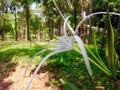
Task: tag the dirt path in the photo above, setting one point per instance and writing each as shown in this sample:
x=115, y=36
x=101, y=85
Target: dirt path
x=12, y=78
x=15, y=81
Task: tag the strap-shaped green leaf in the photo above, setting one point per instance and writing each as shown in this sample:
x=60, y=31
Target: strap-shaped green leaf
x=110, y=41
x=110, y=50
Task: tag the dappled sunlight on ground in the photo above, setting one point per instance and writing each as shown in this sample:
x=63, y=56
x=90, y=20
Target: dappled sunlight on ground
x=15, y=80
x=12, y=66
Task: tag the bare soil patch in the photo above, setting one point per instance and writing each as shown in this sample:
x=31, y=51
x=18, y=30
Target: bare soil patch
x=15, y=80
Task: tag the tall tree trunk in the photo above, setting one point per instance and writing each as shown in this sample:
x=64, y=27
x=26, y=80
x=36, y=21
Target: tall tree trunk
x=50, y=29
x=38, y=33
x=75, y=14
x=3, y=29
x=27, y=20
x=42, y=27
x=16, y=33
x=50, y=23
x=83, y=24
x=21, y=36
x=90, y=22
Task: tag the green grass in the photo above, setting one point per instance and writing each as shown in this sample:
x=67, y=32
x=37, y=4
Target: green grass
x=18, y=51
x=67, y=65
x=14, y=53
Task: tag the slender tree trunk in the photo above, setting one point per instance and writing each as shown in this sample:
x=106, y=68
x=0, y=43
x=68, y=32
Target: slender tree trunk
x=27, y=20
x=90, y=23
x=16, y=33
x=21, y=29
x=42, y=27
x=75, y=14
x=38, y=33
x=3, y=29
x=50, y=29
x=50, y=24
x=83, y=24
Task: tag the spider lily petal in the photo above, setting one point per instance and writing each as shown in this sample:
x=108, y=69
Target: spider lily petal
x=90, y=15
x=64, y=26
x=30, y=62
x=83, y=51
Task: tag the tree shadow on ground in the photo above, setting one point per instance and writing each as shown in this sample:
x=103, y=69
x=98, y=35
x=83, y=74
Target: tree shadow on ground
x=9, y=61
x=6, y=69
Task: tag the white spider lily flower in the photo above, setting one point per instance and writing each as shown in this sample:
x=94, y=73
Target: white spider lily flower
x=65, y=43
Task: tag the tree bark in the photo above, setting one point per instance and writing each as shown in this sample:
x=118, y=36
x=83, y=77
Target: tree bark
x=16, y=33
x=90, y=23
x=50, y=24
x=75, y=14
x=50, y=29
x=42, y=27
x=27, y=20
x=21, y=34
x=82, y=32
x=3, y=29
